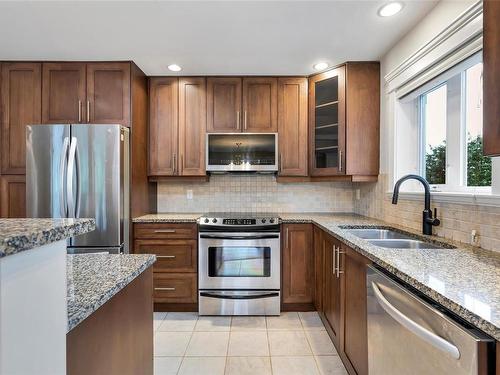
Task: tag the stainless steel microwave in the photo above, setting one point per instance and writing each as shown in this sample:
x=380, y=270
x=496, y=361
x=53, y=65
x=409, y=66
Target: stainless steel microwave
x=242, y=152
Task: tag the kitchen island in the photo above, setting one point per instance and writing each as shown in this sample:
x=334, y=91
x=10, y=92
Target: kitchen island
x=33, y=309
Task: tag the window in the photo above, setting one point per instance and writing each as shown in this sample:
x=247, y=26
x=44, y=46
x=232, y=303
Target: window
x=450, y=129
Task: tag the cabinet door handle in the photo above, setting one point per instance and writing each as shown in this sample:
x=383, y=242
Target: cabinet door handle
x=181, y=164
x=167, y=289
x=280, y=163
x=173, y=163
x=339, y=271
x=166, y=256
x=79, y=111
x=334, y=260
x=238, y=120
x=245, y=121
x=340, y=160
x=286, y=238
x=165, y=230
x=88, y=110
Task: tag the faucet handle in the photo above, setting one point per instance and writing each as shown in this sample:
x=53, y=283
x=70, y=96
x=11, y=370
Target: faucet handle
x=436, y=220
x=435, y=213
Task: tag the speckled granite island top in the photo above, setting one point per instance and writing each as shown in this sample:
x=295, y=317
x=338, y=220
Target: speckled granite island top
x=18, y=235
x=93, y=279
x=466, y=280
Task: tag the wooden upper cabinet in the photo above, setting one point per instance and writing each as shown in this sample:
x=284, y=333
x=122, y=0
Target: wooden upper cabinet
x=298, y=264
x=491, y=81
x=63, y=93
x=12, y=196
x=108, y=93
x=163, y=126
x=260, y=110
x=224, y=104
x=21, y=101
x=327, y=123
x=192, y=125
x=292, y=126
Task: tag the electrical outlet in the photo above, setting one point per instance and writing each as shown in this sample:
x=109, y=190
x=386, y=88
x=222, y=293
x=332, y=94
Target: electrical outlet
x=189, y=194
x=474, y=237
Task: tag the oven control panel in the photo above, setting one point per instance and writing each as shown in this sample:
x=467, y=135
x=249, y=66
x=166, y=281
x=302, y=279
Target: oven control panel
x=239, y=221
x=244, y=222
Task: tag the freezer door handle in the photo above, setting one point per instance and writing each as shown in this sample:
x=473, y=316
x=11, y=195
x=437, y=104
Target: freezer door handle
x=78, y=180
x=412, y=326
x=63, y=164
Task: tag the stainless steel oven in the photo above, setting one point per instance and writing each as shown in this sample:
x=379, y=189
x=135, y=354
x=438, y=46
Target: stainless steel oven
x=239, y=265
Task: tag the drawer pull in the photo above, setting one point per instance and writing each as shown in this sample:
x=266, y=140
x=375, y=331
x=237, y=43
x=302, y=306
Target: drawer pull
x=166, y=256
x=168, y=289
x=165, y=231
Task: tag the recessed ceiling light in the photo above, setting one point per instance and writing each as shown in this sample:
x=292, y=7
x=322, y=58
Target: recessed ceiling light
x=320, y=66
x=390, y=9
x=174, y=68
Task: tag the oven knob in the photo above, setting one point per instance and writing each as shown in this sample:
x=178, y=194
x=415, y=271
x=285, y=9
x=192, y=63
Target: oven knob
x=263, y=221
x=206, y=220
x=271, y=221
x=214, y=221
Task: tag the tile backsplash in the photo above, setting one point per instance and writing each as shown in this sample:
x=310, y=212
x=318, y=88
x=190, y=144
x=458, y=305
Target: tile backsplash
x=457, y=220
x=254, y=193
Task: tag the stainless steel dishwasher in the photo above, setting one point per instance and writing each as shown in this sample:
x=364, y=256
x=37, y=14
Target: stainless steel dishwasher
x=408, y=334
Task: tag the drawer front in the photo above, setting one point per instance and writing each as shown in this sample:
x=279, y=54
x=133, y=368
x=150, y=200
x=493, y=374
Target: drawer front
x=169, y=231
x=174, y=288
x=171, y=255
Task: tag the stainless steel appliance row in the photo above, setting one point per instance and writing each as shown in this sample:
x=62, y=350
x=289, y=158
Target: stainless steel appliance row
x=239, y=265
x=81, y=171
x=409, y=334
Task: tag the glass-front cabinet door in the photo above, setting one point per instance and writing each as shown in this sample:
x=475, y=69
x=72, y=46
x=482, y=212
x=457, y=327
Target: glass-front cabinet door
x=327, y=122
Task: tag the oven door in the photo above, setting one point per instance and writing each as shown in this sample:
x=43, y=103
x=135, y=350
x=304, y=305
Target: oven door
x=239, y=260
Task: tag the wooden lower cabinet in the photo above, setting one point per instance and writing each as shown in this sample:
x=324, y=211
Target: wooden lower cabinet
x=175, y=272
x=12, y=196
x=117, y=339
x=355, y=335
x=342, y=280
x=331, y=289
x=297, y=264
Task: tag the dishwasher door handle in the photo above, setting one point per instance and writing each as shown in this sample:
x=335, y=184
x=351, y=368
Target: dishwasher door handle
x=422, y=332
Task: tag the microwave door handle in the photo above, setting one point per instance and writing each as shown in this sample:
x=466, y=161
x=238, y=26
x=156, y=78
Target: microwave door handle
x=412, y=326
x=239, y=296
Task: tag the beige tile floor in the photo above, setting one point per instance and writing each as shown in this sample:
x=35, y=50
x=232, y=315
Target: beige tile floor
x=291, y=344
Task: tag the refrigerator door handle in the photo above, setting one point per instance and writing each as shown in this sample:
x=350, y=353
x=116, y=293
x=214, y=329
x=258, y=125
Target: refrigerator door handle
x=63, y=164
x=78, y=183
x=69, y=178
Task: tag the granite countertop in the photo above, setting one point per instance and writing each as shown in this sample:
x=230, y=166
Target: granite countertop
x=465, y=279
x=168, y=218
x=93, y=279
x=18, y=235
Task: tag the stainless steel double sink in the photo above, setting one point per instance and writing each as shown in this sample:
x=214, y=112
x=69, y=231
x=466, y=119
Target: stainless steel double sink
x=393, y=239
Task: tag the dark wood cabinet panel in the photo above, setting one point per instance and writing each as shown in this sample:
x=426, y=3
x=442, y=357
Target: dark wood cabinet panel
x=491, y=74
x=298, y=267
x=260, y=110
x=362, y=132
x=20, y=105
x=63, y=93
x=224, y=104
x=163, y=126
x=192, y=126
x=318, y=268
x=12, y=196
x=171, y=255
x=332, y=288
x=355, y=333
x=292, y=126
x=175, y=287
x=108, y=93
x=117, y=339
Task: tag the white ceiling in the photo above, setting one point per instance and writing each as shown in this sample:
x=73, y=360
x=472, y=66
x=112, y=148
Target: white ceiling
x=205, y=37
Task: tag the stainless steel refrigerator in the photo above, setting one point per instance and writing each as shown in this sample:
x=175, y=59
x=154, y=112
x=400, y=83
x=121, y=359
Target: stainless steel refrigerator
x=77, y=171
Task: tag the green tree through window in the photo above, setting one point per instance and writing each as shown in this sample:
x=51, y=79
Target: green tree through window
x=478, y=166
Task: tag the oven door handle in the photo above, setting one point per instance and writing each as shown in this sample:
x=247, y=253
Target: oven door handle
x=239, y=296
x=250, y=237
